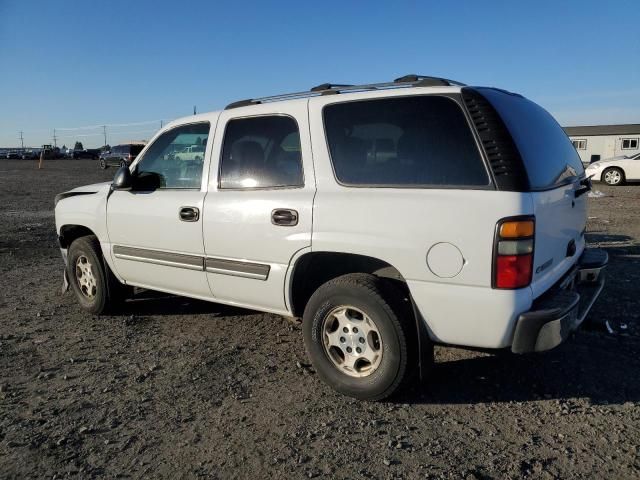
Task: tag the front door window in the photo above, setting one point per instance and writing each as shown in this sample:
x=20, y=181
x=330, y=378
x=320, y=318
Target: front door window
x=175, y=159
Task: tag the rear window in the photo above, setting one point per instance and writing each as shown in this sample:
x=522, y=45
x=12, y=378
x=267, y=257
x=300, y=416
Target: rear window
x=403, y=142
x=548, y=154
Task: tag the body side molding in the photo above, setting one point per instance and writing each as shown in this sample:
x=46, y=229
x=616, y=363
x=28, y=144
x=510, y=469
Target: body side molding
x=223, y=266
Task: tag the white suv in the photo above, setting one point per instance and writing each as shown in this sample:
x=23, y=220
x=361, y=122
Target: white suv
x=388, y=216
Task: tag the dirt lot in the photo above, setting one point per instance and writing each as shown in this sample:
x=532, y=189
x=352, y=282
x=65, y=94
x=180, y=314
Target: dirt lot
x=176, y=388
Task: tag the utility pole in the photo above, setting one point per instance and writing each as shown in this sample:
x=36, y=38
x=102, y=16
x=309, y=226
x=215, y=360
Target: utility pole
x=104, y=131
x=21, y=140
x=55, y=139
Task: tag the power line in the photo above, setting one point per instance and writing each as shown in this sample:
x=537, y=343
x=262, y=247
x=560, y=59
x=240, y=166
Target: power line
x=104, y=130
x=93, y=127
x=101, y=134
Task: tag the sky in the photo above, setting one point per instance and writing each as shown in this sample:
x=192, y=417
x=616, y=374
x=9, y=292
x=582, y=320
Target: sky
x=130, y=64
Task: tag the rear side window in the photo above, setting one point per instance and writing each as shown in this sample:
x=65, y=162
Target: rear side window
x=135, y=149
x=549, y=157
x=261, y=152
x=403, y=142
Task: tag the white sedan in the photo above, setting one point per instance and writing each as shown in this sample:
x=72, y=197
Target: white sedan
x=615, y=171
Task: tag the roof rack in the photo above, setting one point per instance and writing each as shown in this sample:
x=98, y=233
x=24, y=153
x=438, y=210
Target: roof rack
x=411, y=80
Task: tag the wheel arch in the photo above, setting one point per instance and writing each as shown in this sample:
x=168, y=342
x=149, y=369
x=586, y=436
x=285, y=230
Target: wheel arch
x=71, y=232
x=313, y=269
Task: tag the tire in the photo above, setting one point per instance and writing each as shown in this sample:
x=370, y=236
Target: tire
x=367, y=300
x=94, y=285
x=103, y=164
x=613, y=176
x=123, y=164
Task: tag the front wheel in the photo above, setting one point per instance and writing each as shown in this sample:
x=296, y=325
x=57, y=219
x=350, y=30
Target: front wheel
x=613, y=176
x=356, y=332
x=95, y=287
x=123, y=164
x=103, y=164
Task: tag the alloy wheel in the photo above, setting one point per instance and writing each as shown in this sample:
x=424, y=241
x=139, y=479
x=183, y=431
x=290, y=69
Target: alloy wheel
x=85, y=277
x=612, y=177
x=352, y=341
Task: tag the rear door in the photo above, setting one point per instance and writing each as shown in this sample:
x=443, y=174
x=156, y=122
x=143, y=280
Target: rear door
x=114, y=155
x=259, y=206
x=554, y=171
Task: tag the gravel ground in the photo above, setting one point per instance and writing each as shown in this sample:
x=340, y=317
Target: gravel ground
x=175, y=388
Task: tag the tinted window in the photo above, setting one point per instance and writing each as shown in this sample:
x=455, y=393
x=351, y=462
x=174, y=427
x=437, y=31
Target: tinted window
x=261, y=152
x=161, y=167
x=405, y=141
x=135, y=149
x=548, y=155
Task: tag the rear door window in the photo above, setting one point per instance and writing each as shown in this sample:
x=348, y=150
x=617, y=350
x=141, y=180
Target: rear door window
x=549, y=157
x=418, y=141
x=261, y=152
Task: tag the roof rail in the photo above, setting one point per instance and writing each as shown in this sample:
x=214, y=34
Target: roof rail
x=328, y=86
x=426, y=81
x=411, y=80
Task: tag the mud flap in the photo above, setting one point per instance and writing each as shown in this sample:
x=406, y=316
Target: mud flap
x=425, y=345
x=65, y=283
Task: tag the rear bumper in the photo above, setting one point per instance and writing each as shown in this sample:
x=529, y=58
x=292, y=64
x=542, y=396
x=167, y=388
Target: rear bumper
x=562, y=309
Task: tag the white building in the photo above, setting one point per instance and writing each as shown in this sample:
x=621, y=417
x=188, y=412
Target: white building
x=597, y=142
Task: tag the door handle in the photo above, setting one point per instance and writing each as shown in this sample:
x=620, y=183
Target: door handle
x=189, y=214
x=284, y=217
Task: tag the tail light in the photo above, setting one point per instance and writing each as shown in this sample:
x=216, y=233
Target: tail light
x=513, y=252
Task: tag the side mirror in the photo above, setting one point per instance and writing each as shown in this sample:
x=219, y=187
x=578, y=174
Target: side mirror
x=123, y=180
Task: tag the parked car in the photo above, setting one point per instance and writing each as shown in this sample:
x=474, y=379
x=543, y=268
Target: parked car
x=90, y=153
x=120, y=155
x=30, y=154
x=13, y=154
x=467, y=228
x=616, y=170
x=192, y=152
x=50, y=152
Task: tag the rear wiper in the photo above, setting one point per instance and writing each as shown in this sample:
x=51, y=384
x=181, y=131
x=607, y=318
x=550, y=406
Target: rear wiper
x=586, y=187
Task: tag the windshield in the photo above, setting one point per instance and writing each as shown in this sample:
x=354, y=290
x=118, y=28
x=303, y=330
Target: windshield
x=548, y=155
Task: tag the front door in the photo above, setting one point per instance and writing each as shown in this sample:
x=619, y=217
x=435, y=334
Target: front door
x=259, y=207
x=155, y=230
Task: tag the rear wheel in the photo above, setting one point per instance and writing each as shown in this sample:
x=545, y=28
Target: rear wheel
x=103, y=164
x=96, y=288
x=123, y=164
x=613, y=176
x=356, y=331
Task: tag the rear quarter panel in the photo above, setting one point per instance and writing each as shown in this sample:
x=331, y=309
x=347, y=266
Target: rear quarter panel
x=399, y=226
